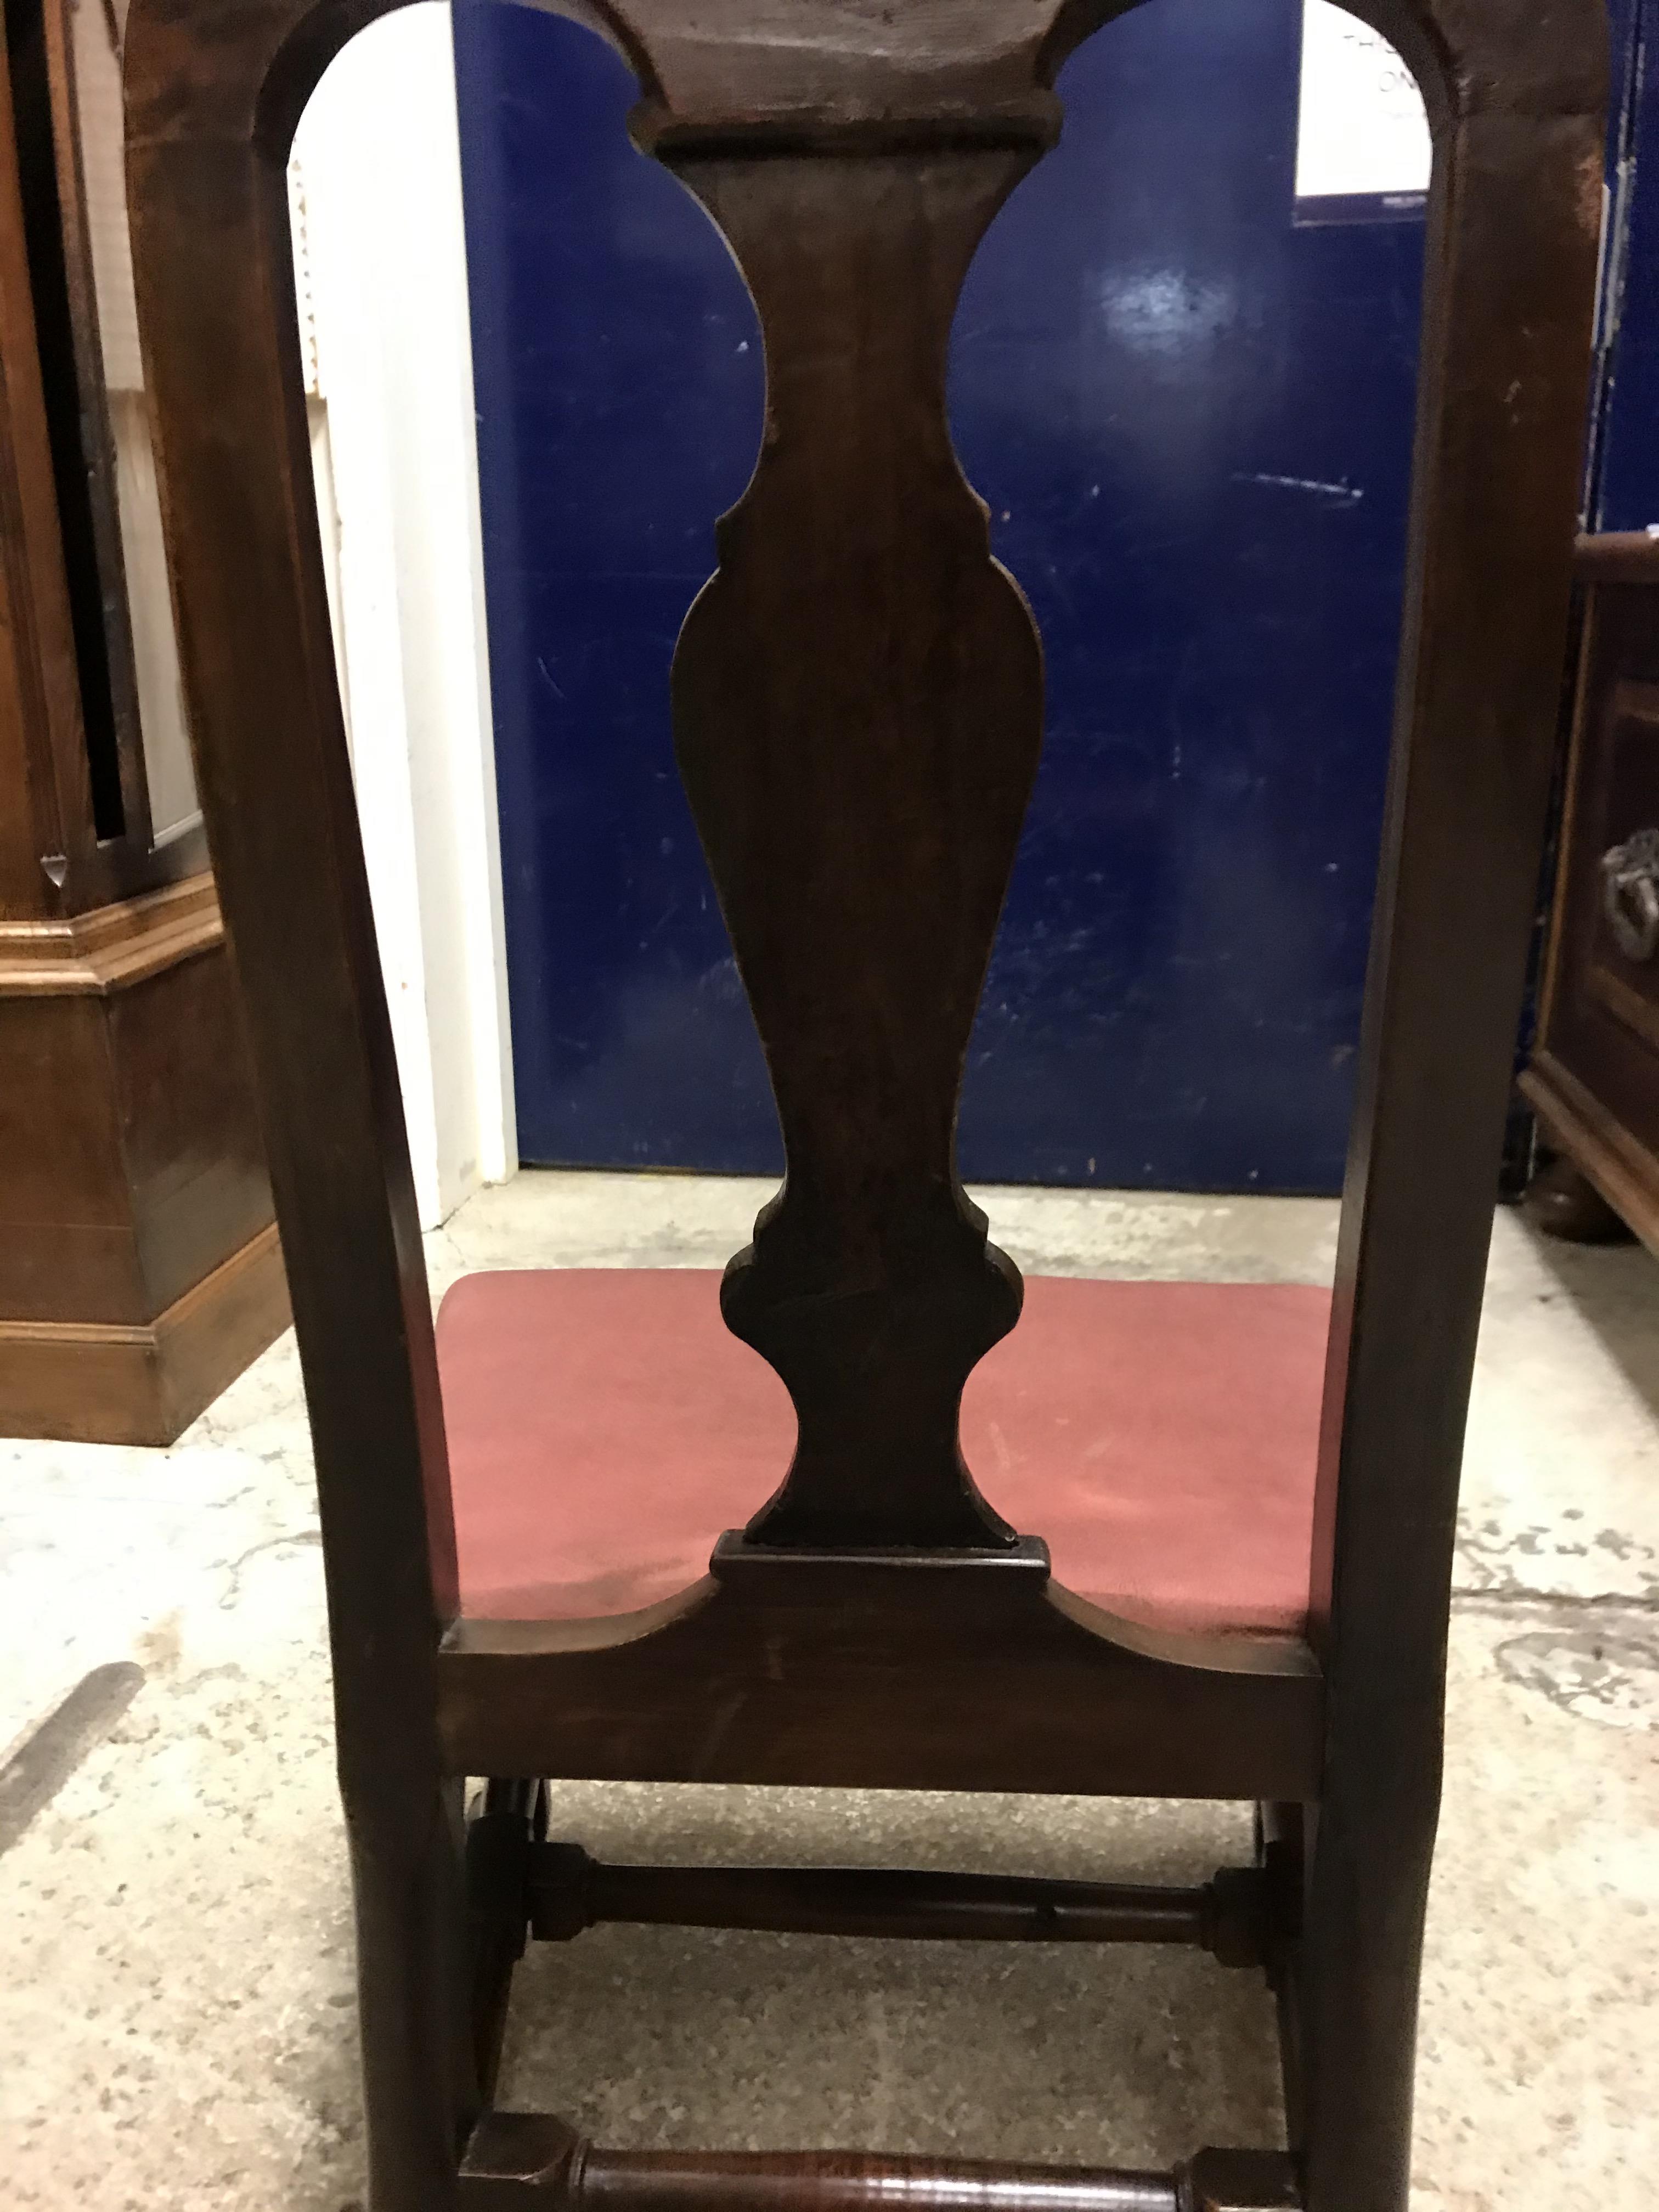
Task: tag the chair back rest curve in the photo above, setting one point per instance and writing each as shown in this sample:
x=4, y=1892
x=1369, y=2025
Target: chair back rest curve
x=857, y=697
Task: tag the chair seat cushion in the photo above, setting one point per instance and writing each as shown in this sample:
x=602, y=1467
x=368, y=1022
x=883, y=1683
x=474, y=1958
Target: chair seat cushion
x=604, y=1427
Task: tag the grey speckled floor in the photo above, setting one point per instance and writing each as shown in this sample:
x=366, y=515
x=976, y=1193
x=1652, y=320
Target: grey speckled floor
x=175, y=2016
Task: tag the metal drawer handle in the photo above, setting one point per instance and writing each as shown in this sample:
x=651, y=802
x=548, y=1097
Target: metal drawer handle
x=1629, y=894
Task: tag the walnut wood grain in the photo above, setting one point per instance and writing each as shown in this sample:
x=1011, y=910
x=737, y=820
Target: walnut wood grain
x=1509, y=300
x=856, y=704
x=111, y=948
x=1594, y=1076
x=1622, y=1170
x=1618, y=556
x=517, y=2162
x=908, y=1670
x=143, y=1383
x=44, y=795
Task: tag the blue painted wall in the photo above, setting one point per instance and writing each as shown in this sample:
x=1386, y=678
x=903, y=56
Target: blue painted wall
x=1191, y=418
x=620, y=389
x=1625, y=493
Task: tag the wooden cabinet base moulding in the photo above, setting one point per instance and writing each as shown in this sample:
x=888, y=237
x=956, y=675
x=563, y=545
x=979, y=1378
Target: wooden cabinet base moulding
x=139, y=1267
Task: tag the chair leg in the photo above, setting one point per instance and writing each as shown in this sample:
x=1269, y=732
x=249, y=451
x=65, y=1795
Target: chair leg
x=500, y=1837
x=419, y=2095
x=1356, y=2008
x=1281, y=1850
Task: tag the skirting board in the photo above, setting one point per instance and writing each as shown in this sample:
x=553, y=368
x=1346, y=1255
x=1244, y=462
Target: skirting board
x=95, y=1382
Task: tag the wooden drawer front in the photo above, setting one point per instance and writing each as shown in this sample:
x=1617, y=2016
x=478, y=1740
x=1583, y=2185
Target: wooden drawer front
x=1601, y=1015
x=1621, y=971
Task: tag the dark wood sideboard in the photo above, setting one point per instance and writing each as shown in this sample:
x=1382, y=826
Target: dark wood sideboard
x=139, y=1266
x=1594, y=1076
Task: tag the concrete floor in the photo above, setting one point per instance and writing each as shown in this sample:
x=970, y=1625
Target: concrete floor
x=176, y=2028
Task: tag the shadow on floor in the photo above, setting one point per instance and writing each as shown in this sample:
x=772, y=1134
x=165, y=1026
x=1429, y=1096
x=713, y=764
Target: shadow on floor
x=1615, y=1289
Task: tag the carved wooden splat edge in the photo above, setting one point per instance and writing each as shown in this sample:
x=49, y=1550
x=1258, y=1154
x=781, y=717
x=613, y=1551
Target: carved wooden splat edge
x=857, y=712
x=858, y=701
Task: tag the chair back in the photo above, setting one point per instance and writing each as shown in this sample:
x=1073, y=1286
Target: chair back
x=858, y=706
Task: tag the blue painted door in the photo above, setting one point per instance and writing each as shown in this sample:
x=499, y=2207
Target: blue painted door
x=1623, y=488
x=1191, y=417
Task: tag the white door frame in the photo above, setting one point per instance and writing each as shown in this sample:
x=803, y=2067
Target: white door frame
x=382, y=271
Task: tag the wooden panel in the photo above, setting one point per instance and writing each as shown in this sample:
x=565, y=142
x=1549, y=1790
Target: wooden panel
x=143, y=1384
x=1628, y=556
x=1595, y=1076
x=54, y=1270
x=131, y=1165
x=1594, y=1021
x=68, y=1249
x=190, y=1136
x=45, y=804
x=923, y=1670
x=1576, y=1123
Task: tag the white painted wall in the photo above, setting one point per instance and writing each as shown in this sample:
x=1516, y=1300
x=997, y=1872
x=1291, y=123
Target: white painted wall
x=381, y=262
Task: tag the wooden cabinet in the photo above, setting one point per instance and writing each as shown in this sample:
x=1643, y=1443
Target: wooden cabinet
x=1594, y=1078
x=139, y=1267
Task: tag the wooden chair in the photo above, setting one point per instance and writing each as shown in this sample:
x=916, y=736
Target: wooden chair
x=857, y=697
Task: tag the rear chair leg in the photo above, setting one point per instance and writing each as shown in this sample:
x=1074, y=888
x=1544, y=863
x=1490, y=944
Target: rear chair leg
x=420, y=2097
x=499, y=1837
x=1356, y=2000
x=1281, y=1852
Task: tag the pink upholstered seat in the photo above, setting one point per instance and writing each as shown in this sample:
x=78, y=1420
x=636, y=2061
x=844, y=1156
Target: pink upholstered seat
x=604, y=1427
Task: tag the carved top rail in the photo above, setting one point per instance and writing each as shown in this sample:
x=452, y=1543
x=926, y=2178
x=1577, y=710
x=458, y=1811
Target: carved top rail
x=753, y=69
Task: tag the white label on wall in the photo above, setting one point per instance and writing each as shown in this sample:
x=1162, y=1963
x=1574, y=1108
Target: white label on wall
x=1361, y=128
